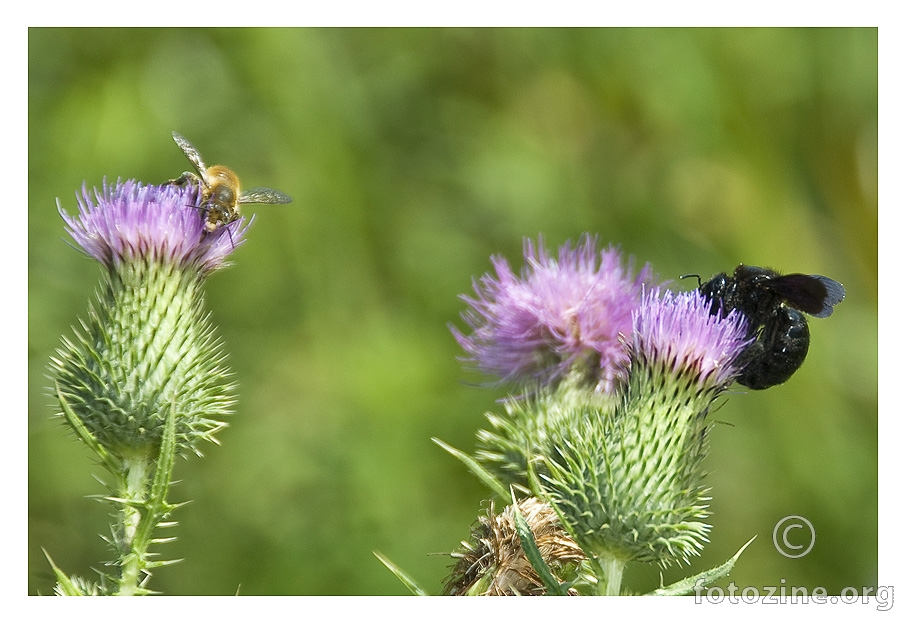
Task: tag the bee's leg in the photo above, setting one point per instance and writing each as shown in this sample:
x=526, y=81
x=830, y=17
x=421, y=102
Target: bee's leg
x=230, y=234
x=218, y=230
x=185, y=178
x=777, y=353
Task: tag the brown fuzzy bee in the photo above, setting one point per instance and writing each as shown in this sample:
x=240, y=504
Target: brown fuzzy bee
x=219, y=188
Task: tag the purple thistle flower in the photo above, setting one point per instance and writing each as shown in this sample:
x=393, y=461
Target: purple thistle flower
x=128, y=221
x=678, y=331
x=557, y=314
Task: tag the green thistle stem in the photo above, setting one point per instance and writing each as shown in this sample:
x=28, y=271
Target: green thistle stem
x=144, y=489
x=133, y=551
x=610, y=574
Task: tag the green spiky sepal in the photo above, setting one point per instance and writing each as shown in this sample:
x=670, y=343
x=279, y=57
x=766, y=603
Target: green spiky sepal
x=532, y=426
x=628, y=480
x=146, y=349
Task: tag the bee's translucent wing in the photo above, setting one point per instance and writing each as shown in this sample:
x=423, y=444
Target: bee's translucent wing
x=190, y=152
x=262, y=195
x=834, y=294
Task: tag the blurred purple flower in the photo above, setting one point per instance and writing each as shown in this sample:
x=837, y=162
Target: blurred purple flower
x=128, y=221
x=556, y=315
x=677, y=332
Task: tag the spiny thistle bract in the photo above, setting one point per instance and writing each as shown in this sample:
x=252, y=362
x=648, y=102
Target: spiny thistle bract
x=532, y=425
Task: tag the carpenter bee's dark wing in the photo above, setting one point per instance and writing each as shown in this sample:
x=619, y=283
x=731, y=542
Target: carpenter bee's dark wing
x=814, y=294
x=834, y=294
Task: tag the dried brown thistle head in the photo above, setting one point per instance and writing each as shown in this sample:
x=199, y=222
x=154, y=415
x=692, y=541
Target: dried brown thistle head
x=492, y=563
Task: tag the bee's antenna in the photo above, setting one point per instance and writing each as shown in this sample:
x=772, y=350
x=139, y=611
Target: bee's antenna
x=698, y=278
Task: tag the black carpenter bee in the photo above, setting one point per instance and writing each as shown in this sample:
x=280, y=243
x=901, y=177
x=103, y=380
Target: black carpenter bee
x=772, y=305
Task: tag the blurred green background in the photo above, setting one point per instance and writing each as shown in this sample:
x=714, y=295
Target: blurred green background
x=412, y=156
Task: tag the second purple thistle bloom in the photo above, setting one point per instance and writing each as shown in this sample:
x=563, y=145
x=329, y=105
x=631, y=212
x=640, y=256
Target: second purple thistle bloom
x=679, y=331
x=572, y=312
